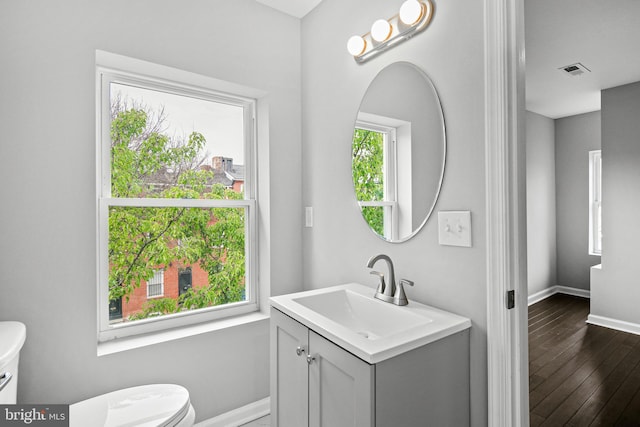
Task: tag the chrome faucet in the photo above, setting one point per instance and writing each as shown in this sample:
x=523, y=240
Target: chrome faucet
x=389, y=292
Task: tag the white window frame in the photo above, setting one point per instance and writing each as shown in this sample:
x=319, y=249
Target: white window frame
x=595, y=202
x=112, y=68
x=157, y=279
x=392, y=129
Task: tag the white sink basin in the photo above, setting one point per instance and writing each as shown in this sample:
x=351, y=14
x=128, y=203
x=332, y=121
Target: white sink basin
x=366, y=316
x=371, y=329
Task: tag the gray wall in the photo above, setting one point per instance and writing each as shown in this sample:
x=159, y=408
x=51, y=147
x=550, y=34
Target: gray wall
x=575, y=136
x=541, y=203
x=47, y=166
x=615, y=295
x=337, y=248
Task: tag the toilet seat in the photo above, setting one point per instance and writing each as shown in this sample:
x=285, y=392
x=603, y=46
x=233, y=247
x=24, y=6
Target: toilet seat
x=154, y=405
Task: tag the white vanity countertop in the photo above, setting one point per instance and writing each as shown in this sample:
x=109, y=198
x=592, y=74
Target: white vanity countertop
x=373, y=330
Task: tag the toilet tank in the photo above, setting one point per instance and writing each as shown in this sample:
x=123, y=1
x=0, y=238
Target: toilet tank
x=12, y=336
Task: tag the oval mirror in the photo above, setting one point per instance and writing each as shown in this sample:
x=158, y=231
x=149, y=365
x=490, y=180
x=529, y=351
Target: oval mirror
x=398, y=151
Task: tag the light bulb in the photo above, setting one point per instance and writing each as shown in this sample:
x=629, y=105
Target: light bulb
x=356, y=45
x=381, y=30
x=411, y=12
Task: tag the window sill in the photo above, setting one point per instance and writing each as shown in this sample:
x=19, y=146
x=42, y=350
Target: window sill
x=130, y=343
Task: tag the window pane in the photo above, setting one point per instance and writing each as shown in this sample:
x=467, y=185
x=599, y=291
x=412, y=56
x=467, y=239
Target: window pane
x=595, y=200
x=173, y=146
x=368, y=164
x=374, y=215
x=208, y=243
x=598, y=167
x=598, y=231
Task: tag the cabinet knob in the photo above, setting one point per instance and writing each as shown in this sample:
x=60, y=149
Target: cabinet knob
x=299, y=350
x=310, y=359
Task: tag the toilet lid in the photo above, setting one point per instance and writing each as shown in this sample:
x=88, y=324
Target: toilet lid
x=145, y=406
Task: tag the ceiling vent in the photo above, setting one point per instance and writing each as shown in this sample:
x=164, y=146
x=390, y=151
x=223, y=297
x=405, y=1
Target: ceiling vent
x=575, y=70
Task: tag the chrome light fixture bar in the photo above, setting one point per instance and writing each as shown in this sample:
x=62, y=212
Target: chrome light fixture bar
x=414, y=16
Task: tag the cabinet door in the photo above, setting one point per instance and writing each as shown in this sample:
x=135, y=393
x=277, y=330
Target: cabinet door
x=340, y=387
x=289, y=371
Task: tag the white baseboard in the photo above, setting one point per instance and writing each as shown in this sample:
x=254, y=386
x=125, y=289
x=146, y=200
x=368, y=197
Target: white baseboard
x=239, y=416
x=619, y=325
x=546, y=293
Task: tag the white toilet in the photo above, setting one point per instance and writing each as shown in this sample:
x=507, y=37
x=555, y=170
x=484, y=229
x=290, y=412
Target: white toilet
x=157, y=405
x=165, y=405
x=12, y=336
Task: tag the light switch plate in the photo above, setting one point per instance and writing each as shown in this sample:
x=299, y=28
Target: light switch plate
x=308, y=216
x=454, y=228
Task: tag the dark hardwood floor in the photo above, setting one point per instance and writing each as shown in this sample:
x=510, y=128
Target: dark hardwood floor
x=580, y=374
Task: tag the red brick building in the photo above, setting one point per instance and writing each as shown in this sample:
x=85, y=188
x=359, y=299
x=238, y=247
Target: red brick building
x=168, y=282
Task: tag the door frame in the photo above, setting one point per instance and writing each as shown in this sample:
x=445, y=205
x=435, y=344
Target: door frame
x=507, y=348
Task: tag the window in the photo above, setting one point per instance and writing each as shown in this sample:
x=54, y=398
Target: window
x=155, y=285
x=373, y=168
x=176, y=199
x=595, y=202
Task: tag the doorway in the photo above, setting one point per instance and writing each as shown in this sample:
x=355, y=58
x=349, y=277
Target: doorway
x=573, y=51
x=185, y=280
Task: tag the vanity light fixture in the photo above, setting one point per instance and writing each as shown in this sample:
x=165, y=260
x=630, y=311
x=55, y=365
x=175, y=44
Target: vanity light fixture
x=414, y=16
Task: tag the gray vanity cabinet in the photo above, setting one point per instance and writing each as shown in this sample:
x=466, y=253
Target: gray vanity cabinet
x=316, y=383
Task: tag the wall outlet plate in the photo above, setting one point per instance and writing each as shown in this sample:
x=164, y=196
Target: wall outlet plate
x=454, y=228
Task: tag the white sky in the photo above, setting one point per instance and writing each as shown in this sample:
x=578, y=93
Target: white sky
x=221, y=124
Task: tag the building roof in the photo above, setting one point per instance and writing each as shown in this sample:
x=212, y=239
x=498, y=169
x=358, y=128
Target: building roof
x=224, y=173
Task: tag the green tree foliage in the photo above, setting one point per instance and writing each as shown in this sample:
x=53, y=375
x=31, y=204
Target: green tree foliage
x=146, y=162
x=368, y=174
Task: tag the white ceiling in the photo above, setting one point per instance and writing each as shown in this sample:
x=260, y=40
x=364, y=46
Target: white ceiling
x=604, y=36
x=297, y=8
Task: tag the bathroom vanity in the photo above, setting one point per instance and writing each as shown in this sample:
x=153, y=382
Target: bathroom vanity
x=339, y=357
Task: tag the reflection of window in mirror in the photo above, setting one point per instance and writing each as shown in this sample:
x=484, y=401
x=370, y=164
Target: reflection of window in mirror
x=595, y=202
x=381, y=174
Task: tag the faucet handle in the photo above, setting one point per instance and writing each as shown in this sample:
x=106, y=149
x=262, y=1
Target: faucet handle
x=400, y=298
x=406, y=282
x=381, y=284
